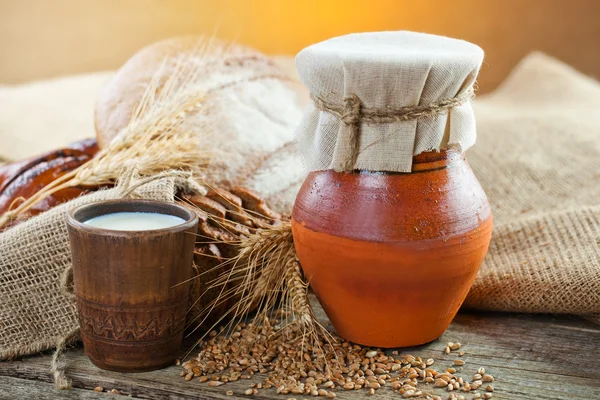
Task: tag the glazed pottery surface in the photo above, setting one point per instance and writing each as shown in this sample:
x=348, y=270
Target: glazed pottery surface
x=391, y=256
x=131, y=295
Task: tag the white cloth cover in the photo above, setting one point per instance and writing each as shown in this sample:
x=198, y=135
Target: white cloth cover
x=386, y=70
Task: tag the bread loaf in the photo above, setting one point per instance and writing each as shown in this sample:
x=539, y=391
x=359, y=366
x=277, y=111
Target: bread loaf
x=249, y=109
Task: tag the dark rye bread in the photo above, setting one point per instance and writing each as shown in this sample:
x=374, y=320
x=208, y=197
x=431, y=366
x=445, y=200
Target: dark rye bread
x=225, y=217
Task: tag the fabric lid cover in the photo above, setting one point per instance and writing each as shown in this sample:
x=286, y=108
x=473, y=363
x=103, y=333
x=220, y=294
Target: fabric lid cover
x=386, y=70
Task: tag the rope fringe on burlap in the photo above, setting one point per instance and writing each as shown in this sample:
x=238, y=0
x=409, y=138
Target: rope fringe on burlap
x=66, y=283
x=353, y=114
x=58, y=366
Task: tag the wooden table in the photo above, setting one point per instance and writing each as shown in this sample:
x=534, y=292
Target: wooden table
x=531, y=357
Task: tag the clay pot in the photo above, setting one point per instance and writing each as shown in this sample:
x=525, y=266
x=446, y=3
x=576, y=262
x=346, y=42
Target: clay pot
x=132, y=287
x=391, y=256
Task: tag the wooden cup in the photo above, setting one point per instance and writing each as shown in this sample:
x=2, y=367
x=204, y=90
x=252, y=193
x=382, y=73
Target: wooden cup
x=132, y=287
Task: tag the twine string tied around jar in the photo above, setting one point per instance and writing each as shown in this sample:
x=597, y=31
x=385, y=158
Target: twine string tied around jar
x=353, y=113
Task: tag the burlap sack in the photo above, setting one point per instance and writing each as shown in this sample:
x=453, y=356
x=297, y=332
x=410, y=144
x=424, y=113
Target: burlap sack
x=37, y=309
x=538, y=158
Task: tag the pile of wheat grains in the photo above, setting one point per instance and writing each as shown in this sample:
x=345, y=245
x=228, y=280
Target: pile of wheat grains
x=292, y=366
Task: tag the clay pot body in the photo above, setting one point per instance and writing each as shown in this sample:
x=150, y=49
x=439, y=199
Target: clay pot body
x=132, y=287
x=391, y=256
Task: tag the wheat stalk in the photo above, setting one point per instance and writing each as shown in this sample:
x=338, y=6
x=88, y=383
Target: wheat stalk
x=265, y=278
x=256, y=272
x=152, y=142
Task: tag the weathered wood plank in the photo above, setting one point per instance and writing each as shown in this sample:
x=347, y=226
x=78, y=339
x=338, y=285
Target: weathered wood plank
x=540, y=357
x=15, y=388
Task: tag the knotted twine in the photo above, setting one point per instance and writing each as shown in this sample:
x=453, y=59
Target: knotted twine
x=353, y=114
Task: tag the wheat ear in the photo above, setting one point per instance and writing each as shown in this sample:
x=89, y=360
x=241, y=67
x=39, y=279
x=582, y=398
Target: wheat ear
x=153, y=141
x=267, y=279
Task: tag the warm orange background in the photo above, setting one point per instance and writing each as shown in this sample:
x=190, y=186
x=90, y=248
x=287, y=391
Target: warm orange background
x=45, y=38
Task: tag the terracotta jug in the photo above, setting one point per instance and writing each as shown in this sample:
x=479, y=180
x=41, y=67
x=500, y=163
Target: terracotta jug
x=391, y=256
x=391, y=225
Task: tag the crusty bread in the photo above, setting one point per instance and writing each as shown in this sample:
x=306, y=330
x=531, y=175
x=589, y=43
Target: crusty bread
x=118, y=99
x=247, y=123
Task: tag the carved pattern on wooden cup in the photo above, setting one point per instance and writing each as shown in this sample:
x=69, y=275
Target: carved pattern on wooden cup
x=129, y=325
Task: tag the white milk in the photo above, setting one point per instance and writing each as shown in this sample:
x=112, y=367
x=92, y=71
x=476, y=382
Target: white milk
x=134, y=221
